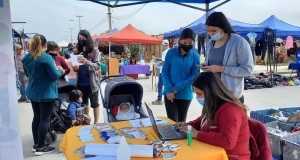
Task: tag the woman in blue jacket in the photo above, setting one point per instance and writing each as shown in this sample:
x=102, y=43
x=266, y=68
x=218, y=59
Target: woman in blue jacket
x=43, y=74
x=180, y=67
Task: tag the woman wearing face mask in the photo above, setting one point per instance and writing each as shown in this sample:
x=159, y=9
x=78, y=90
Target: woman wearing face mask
x=224, y=121
x=87, y=74
x=228, y=55
x=52, y=50
x=179, y=69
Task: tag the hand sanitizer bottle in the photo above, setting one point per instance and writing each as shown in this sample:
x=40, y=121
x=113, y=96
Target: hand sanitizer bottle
x=189, y=135
x=123, y=152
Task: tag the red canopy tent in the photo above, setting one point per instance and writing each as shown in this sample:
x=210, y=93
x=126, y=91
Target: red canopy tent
x=130, y=35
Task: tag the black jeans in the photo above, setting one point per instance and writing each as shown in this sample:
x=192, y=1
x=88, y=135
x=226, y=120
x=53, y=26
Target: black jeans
x=177, y=110
x=41, y=120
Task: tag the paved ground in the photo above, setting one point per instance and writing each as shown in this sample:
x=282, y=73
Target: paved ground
x=255, y=99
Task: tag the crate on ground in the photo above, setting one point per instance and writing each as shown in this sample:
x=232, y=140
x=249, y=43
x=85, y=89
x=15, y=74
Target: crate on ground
x=265, y=115
x=290, y=109
x=276, y=140
x=291, y=147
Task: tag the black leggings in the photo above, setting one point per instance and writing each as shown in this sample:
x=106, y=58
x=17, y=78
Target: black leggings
x=177, y=110
x=41, y=120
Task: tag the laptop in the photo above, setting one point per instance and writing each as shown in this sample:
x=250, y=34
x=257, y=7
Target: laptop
x=165, y=132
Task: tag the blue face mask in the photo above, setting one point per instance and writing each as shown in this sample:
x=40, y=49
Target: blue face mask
x=217, y=36
x=200, y=101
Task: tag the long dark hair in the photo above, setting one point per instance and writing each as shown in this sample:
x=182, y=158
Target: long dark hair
x=218, y=19
x=89, y=42
x=215, y=94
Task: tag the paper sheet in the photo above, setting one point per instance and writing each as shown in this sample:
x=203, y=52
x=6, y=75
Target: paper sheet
x=74, y=60
x=145, y=122
x=111, y=150
x=102, y=158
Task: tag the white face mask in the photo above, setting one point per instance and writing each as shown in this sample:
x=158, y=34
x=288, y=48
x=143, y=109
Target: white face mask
x=217, y=36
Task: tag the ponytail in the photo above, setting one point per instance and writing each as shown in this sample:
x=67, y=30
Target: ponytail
x=37, y=44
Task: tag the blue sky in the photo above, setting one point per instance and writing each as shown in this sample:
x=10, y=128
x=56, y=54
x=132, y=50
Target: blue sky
x=52, y=17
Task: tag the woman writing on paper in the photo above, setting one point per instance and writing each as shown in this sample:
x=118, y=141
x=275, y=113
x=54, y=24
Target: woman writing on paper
x=224, y=122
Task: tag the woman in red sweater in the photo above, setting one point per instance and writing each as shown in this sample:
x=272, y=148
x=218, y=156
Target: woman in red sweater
x=224, y=122
x=53, y=49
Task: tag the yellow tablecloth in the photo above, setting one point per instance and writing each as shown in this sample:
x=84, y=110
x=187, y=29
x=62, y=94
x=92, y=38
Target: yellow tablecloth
x=198, y=150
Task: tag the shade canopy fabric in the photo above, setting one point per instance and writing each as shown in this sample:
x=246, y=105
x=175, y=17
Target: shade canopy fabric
x=199, y=27
x=130, y=35
x=62, y=43
x=186, y=3
x=281, y=28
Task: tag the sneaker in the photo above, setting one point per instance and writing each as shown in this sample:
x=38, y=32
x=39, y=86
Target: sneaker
x=44, y=150
x=157, y=102
x=35, y=146
x=24, y=100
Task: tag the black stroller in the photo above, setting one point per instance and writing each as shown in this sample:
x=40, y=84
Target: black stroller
x=60, y=120
x=118, y=90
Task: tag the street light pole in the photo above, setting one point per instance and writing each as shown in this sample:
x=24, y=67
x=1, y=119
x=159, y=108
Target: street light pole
x=79, y=21
x=71, y=35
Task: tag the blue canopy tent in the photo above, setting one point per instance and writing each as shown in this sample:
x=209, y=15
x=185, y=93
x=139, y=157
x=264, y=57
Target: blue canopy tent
x=199, y=27
x=281, y=28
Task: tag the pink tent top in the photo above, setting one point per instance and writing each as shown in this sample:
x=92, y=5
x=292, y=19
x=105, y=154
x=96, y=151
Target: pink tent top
x=131, y=35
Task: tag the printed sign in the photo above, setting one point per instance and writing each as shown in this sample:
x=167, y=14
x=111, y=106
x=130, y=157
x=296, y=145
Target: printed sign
x=10, y=136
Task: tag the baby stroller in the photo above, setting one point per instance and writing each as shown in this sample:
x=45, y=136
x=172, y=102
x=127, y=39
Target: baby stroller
x=60, y=120
x=118, y=90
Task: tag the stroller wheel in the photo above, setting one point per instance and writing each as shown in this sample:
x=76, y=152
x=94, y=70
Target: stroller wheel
x=53, y=136
x=48, y=139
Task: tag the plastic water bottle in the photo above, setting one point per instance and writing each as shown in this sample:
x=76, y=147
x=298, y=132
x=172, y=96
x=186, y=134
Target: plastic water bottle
x=123, y=152
x=189, y=135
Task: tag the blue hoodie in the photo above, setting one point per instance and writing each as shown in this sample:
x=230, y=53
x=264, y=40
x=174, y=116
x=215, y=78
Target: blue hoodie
x=179, y=71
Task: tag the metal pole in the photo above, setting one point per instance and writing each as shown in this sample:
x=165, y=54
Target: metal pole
x=79, y=21
x=109, y=18
x=71, y=35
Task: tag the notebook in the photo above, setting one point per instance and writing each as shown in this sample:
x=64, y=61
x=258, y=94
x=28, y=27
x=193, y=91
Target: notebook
x=167, y=131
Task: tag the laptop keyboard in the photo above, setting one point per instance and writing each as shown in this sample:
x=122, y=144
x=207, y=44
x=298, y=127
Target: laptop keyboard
x=168, y=131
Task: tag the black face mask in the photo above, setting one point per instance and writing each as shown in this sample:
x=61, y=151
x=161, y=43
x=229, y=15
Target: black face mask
x=186, y=48
x=53, y=55
x=81, y=42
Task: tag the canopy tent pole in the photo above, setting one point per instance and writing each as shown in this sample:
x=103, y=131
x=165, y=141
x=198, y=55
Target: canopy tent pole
x=109, y=55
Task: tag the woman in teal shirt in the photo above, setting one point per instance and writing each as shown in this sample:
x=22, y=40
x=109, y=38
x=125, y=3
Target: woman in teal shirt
x=180, y=67
x=43, y=74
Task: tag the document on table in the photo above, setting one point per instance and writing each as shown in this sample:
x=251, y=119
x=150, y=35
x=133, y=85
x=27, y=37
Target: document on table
x=74, y=60
x=110, y=150
x=145, y=122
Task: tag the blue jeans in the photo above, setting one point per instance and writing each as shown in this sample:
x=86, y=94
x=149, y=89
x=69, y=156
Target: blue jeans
x=159, y=87
x=23, y=85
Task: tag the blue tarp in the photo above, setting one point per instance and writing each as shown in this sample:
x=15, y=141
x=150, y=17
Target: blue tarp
x=199, y=27
x=282, y=29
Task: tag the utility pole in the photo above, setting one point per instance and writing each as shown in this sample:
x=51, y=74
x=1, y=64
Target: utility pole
x=79, y=20
x=71, y=34
x=109, y=18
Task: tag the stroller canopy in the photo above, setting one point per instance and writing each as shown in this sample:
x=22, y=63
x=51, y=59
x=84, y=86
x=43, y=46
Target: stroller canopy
x=123, y=85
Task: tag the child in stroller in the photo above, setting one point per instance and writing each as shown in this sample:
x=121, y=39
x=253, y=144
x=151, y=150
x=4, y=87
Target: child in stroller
x=117, y=91
x=126, y=112
x=76, y=110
